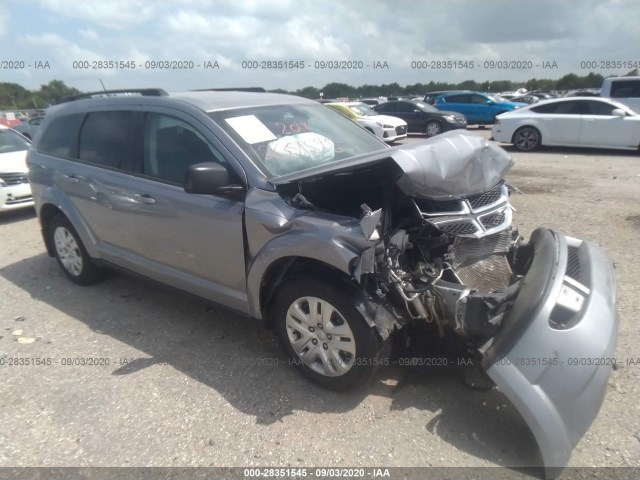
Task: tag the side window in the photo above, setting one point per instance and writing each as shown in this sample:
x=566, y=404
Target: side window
x=106, y=139
x=404, y=107
x=566, y=108
x=386, y=107
x=598, y=108
x=457, y=99
x=61, y=136
x=625, y=89
x=171, y=145
x=478, y=99
x=548, y=108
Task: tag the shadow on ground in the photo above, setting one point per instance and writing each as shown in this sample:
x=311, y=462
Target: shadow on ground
x=241, y=360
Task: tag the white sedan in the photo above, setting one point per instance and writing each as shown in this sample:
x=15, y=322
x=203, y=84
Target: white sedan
x=15, y=191
x=570, y=122
x=385, y=127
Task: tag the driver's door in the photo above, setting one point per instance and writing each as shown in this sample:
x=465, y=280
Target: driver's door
x=193, y=242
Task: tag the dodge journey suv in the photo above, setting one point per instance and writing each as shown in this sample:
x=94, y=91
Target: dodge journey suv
x=284, y=210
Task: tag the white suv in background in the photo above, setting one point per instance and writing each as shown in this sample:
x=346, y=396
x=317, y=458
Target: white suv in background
x=624, y=90
x=14, y=184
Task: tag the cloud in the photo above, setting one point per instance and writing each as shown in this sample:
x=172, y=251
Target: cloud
x=117, y=14
x=229, y=31
x=89, y=34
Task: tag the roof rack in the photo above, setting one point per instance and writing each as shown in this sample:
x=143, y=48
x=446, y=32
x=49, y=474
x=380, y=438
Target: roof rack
x=232, y=89
x=146, y=92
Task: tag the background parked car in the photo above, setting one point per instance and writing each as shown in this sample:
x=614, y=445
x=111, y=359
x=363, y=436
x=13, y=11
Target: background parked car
x=479, y=108
x=573, y=122
x=373, y=100
x=9, y=119
x=528, y=99
x=585, y=92
x=14, y=184
x=423, y=118
x=431, y=97
x=389, y=129
x=624, y=90
x=29, y=127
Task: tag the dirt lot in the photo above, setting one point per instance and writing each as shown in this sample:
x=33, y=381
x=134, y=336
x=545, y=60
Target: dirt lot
x=191, y=385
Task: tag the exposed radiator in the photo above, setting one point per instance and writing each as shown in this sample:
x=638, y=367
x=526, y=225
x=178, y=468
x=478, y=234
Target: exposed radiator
x=481, y=263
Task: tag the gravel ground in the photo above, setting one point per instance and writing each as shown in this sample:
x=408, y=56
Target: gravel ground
x=191, y=385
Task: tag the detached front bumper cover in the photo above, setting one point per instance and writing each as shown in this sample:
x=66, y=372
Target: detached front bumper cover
x=553, y=357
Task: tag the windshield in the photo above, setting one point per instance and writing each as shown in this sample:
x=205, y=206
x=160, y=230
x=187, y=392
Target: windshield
x=283, y=139
x=363, y=109
x=11, y=141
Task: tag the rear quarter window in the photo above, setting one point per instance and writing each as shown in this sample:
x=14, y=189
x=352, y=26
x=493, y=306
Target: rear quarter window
x=61, y=136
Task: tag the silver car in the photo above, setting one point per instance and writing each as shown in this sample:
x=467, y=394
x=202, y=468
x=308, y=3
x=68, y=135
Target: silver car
x=284, y=210
x=29, y=127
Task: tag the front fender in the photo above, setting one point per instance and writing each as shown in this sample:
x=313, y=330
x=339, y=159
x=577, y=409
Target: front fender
x=275, y=230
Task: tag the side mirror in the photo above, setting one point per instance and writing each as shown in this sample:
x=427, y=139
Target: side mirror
x=618, y=112
x=490, y=102
x=209, y=178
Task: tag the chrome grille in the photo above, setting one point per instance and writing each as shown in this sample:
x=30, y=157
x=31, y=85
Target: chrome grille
x=492, y=220
x=14, y=178
x=481, y=263
x=476, y=216
x=458, y=228
x=486, y=198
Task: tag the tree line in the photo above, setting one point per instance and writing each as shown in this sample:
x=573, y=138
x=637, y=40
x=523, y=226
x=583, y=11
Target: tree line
x=14, y=96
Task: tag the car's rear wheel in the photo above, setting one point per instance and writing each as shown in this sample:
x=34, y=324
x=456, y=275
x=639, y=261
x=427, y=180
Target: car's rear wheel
x=527, y=138
x=70, y=253
x=432, y=128
x=325, y=336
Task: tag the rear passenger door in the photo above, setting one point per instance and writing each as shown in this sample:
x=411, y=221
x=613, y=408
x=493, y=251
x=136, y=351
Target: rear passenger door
x=193, y=242
x=97, y=179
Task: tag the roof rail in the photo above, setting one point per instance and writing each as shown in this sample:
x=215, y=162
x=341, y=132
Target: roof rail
x=146, y=92
x=232, y=89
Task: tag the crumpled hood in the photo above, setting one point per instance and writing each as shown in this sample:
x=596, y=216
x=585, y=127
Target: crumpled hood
x=449, y=165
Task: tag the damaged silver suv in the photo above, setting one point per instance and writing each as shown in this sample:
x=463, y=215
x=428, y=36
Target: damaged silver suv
x=282, y=209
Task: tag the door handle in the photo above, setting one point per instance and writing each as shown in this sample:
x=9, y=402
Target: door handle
x=70, y=178
x=144, y=198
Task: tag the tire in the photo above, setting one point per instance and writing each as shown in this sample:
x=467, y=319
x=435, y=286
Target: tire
x=432, y=128
x=70, y=253
x=527, y=139
x=311, y=343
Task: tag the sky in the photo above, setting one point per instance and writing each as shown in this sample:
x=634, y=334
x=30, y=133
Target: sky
x=235, y=43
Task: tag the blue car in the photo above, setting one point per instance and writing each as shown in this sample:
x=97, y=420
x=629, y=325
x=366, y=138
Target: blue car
x=479, y=108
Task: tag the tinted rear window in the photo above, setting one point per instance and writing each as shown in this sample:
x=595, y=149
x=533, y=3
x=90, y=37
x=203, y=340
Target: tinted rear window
x=60, y=137
x=106, y=139
x=625, y=89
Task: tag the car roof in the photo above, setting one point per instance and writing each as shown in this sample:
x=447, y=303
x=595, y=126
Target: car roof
x=215, y=100
x=208, y=100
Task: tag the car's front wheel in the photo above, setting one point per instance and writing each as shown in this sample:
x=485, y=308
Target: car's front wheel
x=527, y=139
x=432, y=128
x=71, y=254
x=324, y=335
